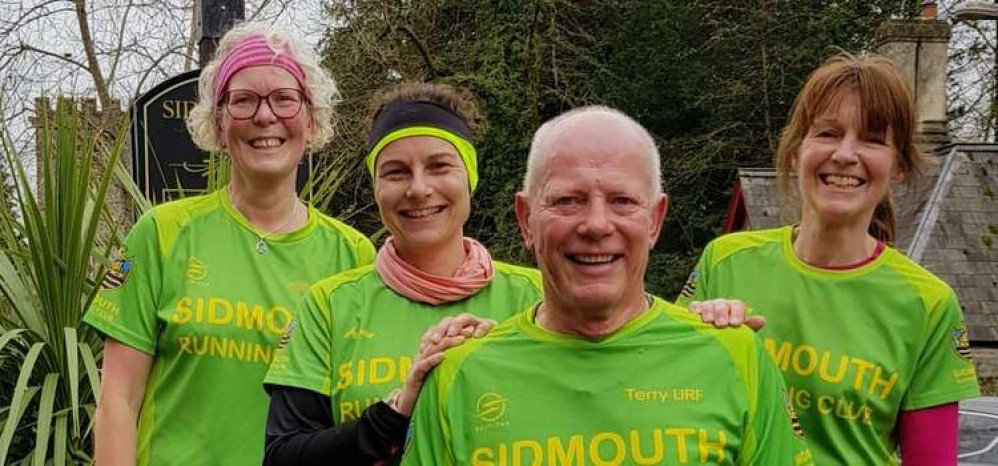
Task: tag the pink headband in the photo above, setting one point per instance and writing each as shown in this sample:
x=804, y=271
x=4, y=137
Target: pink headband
x=254, y=51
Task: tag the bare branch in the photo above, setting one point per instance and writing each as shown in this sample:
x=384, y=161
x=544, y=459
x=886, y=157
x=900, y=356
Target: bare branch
x=88, y=46
x=121, y=35
x=155, y=66
x=62, y=57
x=256, y=14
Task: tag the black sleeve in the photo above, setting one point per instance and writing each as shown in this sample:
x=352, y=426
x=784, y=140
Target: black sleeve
x=300, y=431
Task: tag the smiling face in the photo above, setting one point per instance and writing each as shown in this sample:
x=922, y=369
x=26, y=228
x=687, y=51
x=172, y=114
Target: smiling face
x=844, y=170
x=421, y=187
x=265, y=146
x=591, y=218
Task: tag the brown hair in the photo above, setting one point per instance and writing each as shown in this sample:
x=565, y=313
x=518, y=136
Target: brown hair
x=886, y=104
x=458, y=100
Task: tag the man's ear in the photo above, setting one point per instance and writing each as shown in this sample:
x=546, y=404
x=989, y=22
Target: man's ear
x=522, y=207
x=658, y=211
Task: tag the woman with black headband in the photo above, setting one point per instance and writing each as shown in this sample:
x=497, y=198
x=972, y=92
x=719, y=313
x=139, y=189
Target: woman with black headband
x=343, y=384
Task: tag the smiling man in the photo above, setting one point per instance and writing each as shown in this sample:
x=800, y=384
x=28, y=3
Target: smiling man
x=601, y=372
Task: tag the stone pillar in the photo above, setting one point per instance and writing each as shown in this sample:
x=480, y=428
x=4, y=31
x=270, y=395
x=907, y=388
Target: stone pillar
x=919, y=49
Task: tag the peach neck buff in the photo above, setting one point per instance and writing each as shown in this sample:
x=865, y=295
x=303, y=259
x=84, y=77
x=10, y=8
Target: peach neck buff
x=413, y=283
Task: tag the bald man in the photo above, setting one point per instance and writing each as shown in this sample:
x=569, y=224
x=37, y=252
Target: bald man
x=600, y=372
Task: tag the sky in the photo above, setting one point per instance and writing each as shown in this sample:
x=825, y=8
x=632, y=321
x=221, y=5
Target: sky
x=139, y=44
x=41, y=53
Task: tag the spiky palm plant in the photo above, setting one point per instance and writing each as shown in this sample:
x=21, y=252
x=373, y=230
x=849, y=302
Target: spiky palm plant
x=51, y=261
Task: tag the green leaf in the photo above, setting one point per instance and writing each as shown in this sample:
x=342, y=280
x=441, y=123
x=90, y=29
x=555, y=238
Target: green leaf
x=16, y=291
x=73, y=372
x=125, y=179
x=93, y=375
x=43, y=429
x=20, y=390
x=8, y=336
x=59, y=442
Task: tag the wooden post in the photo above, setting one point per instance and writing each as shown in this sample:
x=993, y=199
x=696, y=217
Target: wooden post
x=215, y=18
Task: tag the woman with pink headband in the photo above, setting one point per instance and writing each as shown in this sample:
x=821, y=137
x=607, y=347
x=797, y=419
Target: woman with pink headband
x=208, y=284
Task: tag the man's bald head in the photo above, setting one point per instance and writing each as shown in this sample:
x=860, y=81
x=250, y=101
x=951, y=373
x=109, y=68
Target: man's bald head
x=587, y=122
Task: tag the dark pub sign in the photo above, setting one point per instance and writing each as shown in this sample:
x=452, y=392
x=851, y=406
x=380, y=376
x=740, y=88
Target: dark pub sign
x=166, y=164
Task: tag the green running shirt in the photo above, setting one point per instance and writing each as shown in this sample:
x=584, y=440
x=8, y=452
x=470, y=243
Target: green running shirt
x=354, y=337
x=192, y=291
x=663, y=389
x=856, y=347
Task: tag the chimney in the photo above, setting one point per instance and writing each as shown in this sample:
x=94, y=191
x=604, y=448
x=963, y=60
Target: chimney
x=919, y=49
x=929, y=10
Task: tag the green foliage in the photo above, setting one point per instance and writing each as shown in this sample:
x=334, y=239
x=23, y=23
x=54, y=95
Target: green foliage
x=50, y=264
x=712, y=80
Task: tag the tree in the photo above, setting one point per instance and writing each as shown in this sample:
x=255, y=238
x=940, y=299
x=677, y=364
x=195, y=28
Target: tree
x=712, y=80
x=111, y=49
x=972, y=77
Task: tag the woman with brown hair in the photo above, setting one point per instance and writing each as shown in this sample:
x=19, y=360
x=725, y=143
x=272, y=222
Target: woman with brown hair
x=872, y=346
x=343, y=387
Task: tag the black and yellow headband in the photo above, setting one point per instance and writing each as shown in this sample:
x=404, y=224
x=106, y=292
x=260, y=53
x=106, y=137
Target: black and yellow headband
x=408, y=118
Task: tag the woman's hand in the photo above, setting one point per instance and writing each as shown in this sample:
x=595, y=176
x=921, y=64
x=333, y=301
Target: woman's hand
x=727, y=313
x=449, y=332
x=463, y=325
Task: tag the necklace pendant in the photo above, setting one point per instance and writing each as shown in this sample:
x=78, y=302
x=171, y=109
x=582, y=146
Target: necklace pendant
x=261, y=246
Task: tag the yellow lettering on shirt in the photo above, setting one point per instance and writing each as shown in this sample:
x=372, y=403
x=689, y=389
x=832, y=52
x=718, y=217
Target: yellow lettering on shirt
x=225, y=348
x=351, y=409
x=878, y=381
x=523, y=449
x=803, y=457
x=705, y=446
x=558, y=454
x=182, y=314
x=104, y=308
x=782, y=355
x=863, y=376
x=249, y=319
x=482, y=457
x=223, y=312
x=379, y=370
x=219, y=311
x=658, y=448
x=827, y=405
x=667, y=445
x=664, y=395
x=616, y=443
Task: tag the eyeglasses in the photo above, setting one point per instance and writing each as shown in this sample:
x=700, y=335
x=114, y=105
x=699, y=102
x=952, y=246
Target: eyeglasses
x=243, y=104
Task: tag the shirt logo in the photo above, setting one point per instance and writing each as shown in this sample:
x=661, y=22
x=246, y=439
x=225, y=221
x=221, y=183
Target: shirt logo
x=117, y=271
x=286, y=336
x=794, y=421
x=196, y=270
x=961, y=342
x=491, y=407
x=690, y=287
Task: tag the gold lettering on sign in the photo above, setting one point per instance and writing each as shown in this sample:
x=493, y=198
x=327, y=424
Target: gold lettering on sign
x=177, y=109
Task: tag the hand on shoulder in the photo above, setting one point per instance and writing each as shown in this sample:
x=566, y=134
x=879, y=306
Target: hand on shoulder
x=727, y=313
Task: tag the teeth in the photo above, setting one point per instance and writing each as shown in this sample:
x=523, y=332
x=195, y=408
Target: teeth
x=601, y=259
x=417, y=213
x=265, y=143
x=842, y=181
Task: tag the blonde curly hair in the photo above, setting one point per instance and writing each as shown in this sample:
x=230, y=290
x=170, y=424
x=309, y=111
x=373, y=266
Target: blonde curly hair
x=203, y=122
